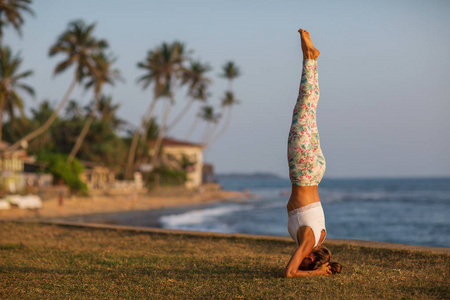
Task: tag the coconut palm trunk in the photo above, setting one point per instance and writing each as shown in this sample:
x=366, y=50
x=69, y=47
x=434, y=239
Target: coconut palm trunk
x=49, y=122
x=206, y=133
x=210, y=139
x=101, y=74
x=2, y=105
x=193, y=127
x=132, y=153
x=85, y=130
x=148, y=122
x=161, y=133
x=223, y=113
x=181, y=114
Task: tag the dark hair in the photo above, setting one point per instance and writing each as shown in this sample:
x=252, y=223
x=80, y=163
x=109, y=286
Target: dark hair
x=335, y=267
x=321, y=256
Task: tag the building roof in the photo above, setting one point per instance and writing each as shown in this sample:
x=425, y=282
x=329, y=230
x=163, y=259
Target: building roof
x=3, y=145
x=170, y=142
x=20, y=153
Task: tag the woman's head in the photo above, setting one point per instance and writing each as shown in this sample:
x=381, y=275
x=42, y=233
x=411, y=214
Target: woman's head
x=319, y=256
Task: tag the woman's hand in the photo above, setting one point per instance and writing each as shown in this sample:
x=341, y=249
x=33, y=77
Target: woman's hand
x=324, y=269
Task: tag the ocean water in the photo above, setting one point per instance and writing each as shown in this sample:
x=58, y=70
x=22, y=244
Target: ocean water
x=407, y=211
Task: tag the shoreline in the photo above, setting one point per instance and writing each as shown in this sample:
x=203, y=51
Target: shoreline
x=93, y=205
x=104, y=211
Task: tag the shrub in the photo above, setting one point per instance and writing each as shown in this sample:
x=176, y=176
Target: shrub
x=164, y=176
x=60, y=169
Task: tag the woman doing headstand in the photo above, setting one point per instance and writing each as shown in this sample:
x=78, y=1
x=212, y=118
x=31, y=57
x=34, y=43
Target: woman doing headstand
x=306, y=221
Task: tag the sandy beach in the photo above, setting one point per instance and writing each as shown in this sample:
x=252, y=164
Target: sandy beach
x=115, y=204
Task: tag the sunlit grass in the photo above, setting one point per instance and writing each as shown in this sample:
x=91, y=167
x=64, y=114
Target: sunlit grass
x=43, y=261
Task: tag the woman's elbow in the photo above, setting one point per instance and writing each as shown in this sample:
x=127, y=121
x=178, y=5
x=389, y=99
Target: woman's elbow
x=287, y=274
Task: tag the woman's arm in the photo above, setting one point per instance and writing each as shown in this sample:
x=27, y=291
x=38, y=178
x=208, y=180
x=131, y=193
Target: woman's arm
x=322, y=270
x=306, y=238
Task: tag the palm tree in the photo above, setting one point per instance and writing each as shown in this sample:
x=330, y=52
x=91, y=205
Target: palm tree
x=207, y=114
x=152, y=67
x=227, y=104
x=202, y=95
x=39, y=116
x=198, y=83
x=164, y=67
x=107, y=111
x=103, y=74
x=11, y=83
x=10, y=13
x=230, y=72
x=171, y=58
x=80, y=48
x=73, y=110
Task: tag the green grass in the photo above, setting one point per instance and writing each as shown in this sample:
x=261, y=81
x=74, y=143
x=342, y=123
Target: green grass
x=45, y=261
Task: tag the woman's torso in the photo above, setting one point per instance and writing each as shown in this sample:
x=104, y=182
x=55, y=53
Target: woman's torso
x=302, y=196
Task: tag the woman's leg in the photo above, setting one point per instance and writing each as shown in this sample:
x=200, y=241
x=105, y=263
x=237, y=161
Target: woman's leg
x=306, y=162
x=315, y=141
x=301, y=156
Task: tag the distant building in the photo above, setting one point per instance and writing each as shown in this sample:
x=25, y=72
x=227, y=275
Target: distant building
x=184, y=156
x=96, y=176
x=101, y=180
x=17, y=171
x=208, y=174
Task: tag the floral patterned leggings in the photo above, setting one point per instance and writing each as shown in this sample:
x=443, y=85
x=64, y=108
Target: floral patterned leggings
x=306, y=160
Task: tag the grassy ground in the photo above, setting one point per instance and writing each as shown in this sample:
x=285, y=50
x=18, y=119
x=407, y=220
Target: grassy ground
x=47, y=261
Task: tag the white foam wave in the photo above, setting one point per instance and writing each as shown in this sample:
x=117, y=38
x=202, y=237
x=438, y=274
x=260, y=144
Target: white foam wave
x=197, y=217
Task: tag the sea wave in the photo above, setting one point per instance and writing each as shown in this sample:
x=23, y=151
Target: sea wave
x=198, y=218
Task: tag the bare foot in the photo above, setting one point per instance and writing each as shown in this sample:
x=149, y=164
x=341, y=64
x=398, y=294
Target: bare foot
x=309, y=51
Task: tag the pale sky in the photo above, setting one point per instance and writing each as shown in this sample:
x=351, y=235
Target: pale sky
x=383, y=72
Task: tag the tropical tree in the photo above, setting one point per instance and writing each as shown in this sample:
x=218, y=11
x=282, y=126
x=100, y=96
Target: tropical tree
x=207, y=114
x=80, y=48
x=43, y=112
x=228, y=101
x=104, y=74
x=102, y=144
x=11, y=13
x=201, y=95
x=39, y=116
x=163, y=67
x=108, y=112
x=197, y=82
x=229, y=71
x=151, y=78
x=171, y=58
x=11, y=83
x=73, y=110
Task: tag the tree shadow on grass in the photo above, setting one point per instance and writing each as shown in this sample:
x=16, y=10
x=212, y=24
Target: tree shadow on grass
x=214, y=272
x=179, y=273
x=36, y=270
